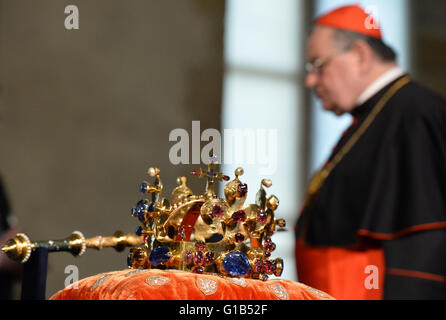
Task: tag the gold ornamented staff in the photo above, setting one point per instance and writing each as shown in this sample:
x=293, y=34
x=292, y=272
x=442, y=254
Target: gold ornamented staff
x=20, y=247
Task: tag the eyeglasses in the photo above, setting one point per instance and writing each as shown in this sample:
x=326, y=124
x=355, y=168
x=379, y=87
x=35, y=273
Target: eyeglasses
x=318, y=65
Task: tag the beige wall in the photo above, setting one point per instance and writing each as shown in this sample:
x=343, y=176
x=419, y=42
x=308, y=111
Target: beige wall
x=85, y=112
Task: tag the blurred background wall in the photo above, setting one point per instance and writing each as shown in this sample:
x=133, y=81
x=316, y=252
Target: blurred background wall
x=84, y=113
x=428, y=31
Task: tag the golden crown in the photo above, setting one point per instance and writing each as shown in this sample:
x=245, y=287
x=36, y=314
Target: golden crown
x=196, y=233
x=205, y=233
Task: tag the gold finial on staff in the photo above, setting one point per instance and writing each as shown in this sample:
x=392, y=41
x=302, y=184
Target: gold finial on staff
x=20, y=247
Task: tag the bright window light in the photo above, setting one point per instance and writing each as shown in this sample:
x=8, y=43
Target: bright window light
x=262, y=98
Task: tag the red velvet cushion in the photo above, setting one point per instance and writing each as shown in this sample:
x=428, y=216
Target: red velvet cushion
x=177, y=285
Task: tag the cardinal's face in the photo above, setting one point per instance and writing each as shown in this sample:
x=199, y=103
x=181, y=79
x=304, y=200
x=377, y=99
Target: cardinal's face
x=333, y=73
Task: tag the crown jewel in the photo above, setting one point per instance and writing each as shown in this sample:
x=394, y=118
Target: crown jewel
x=205, y=233
x=196, y=233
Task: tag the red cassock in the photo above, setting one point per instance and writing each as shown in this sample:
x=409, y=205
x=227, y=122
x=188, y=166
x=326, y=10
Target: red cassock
x=345, y=273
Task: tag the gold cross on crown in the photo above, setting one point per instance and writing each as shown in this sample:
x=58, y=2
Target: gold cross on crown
x=211, y=174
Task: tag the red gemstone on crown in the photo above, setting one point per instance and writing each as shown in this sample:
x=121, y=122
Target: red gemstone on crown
x=262, y=216
x=258, y=265
x=239, y=216
x=226, y=178
x=196, y=173
x=200, y=245
x=217, y=211
x=269, y=267
x=198, y=270
x=239, y=237
x=182, y=233
x=137, y=254
x=209, y=257
x=271, y=246
x=188, y=257
x=199, y=257
x=242, y=189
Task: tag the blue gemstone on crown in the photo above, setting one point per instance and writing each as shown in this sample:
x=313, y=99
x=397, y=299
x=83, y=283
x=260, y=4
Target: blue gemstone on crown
x=143, y=188
x=159, y=256
x=141, y=216
x=138, y=231
x=236, y=264
x=150, y=207
x=140, y=205
x=130, y=260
